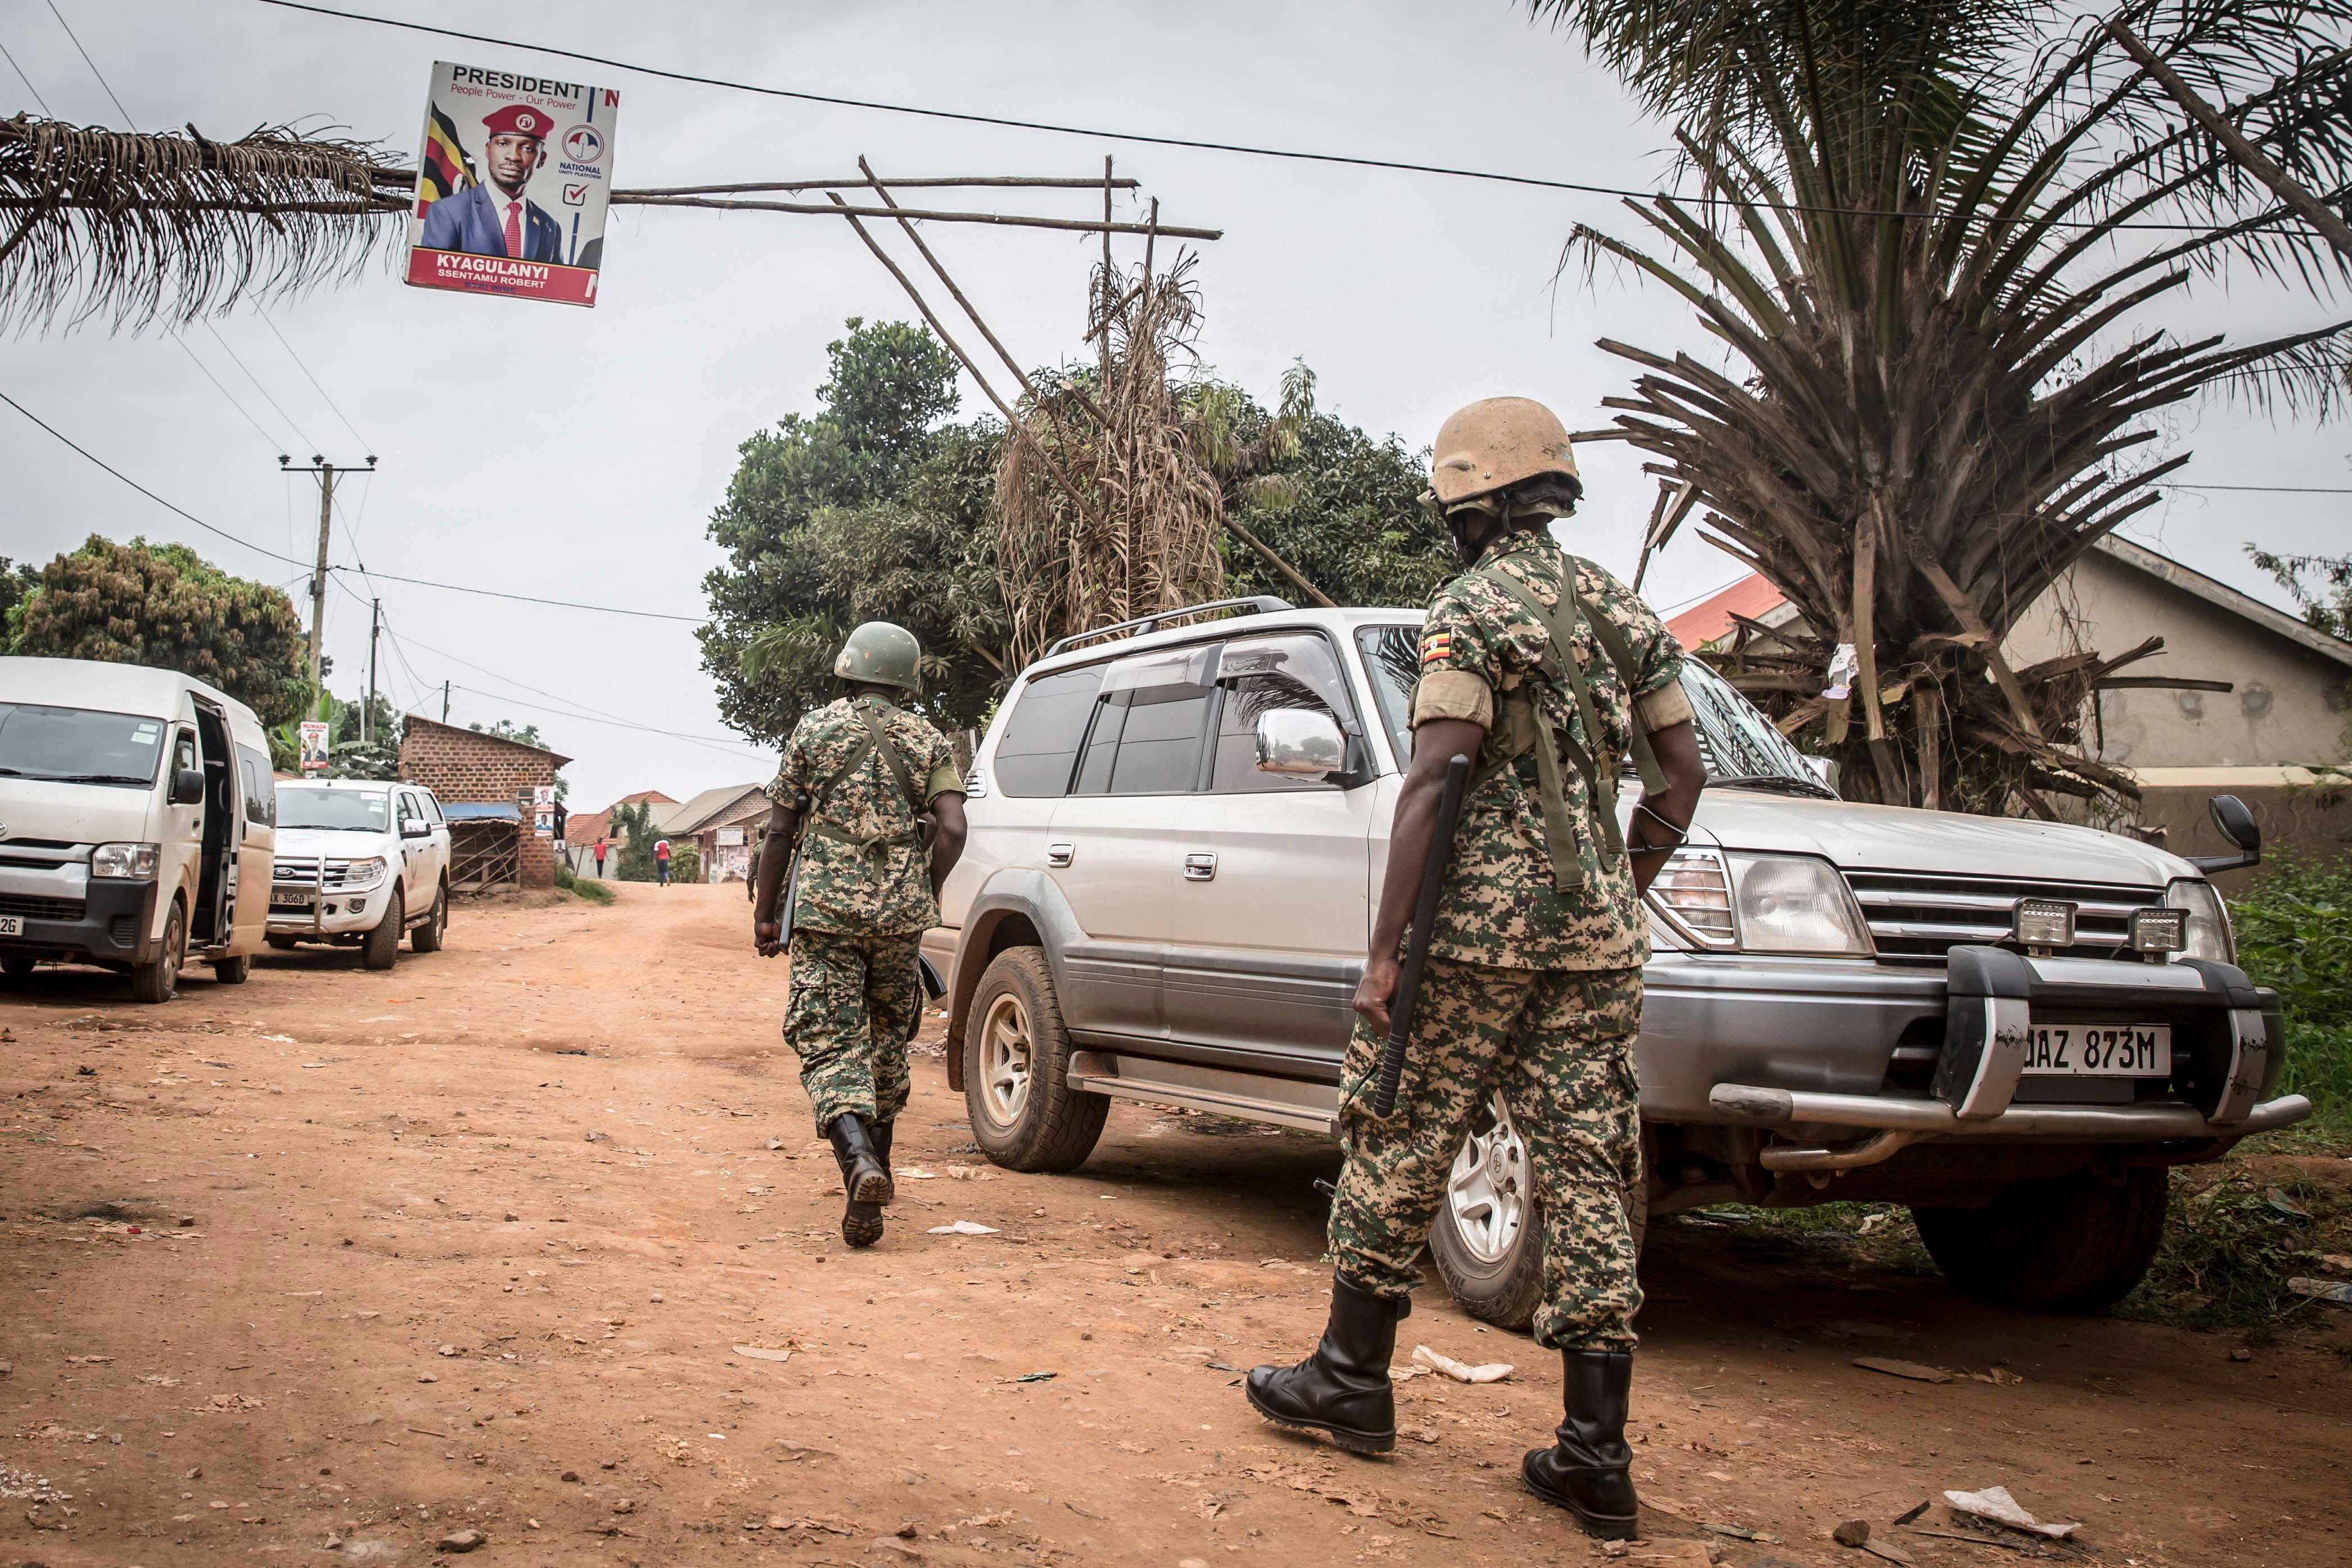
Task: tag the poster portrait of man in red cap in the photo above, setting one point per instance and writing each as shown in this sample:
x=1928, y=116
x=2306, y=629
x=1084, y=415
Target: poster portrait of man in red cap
x=495, y=217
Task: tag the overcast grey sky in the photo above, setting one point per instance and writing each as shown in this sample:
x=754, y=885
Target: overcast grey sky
x=577, y=454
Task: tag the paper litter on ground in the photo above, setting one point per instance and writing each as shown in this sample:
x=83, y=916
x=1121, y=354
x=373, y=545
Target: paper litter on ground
x=963, y=1228
x=1996, y=1504
x=1492, y=1372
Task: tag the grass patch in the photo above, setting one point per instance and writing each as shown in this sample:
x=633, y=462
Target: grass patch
x=2294, y=932
x=1880, y=1235
x=2230, y=1243
x=589, y=888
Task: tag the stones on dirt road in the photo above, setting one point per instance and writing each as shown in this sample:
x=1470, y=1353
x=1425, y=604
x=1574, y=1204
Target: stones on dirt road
x=1853, y=1532
x=462, y=1541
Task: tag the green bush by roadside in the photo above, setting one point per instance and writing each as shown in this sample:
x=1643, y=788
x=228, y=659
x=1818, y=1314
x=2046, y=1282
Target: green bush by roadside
x=2295, y=932
x=587, y=887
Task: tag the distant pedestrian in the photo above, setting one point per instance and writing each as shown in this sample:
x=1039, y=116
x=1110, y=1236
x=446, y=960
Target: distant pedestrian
x=661, y=863
x=600, y=857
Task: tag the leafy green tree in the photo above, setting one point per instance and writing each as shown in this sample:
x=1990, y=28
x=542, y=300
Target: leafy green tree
x=2320, y=585
x=633, y=825
x=16, y=582
x=164, y=606
x=1345, y=510
x=871, y=508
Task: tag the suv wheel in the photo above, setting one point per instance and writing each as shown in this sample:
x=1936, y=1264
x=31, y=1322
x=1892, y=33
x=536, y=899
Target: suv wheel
x=427, y=938
x=1025, y=1116
x=381, y=947
x=2074, y=1243
x=1487, y=1240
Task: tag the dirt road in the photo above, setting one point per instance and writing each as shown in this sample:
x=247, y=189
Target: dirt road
x=477, y=1244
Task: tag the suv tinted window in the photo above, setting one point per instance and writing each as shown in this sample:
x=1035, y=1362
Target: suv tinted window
x=1259, y=675
x=1041, y=738
x=1147, y=731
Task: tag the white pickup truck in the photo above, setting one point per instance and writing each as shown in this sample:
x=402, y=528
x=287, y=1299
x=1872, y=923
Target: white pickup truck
x=1177, y=831
x=359, y=862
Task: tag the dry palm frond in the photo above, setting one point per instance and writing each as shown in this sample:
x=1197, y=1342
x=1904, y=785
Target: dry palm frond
x=1945, y=346
x=172, y=226
x=1109, y=510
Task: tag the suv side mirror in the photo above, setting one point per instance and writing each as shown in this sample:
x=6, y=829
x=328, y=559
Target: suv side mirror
x=416, y=827
x=1300, y=742
x=188, y=786
x=2237, y=824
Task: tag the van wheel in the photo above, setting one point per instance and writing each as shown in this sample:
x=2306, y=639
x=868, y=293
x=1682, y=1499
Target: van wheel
x=2074, y=1243
x=427, y=938
x=160, y=981
x=1017, y=1063
x=381, y=947
x=232, y=971
x=1487, y=1240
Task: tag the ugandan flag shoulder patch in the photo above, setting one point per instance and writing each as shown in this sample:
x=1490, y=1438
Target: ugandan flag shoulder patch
x=1436, y=647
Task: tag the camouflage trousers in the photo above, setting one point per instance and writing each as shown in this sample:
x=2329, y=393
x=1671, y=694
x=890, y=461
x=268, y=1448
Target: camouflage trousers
x=855, y=1003
x=1558, y=1046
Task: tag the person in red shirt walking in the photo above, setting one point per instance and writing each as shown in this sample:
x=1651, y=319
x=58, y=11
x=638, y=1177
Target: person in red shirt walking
x=661, y=863
x=600, y=857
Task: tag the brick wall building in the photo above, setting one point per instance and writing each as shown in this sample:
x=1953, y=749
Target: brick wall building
x=466, y=767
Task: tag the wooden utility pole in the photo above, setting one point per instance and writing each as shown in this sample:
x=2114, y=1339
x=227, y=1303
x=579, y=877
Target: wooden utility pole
x=326, y=472
x=2312, y=210
x=375, y=625
x=445, y=702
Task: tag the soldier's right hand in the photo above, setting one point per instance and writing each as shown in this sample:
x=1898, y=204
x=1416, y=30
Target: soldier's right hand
x=768, y=938
x=1374, y=991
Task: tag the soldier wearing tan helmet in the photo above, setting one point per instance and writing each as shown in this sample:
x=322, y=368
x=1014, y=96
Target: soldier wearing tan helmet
x=863, y=783
x=1544, y=669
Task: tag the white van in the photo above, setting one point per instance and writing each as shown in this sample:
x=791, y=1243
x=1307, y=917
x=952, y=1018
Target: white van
x=137, y=822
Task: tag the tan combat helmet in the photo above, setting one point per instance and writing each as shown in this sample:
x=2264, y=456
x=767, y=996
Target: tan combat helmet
x=882, y=653
x=1494, y=443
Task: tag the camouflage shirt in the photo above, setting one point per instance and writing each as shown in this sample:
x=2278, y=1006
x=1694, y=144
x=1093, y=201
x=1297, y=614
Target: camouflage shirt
x=1500, y=907
x=883, y=888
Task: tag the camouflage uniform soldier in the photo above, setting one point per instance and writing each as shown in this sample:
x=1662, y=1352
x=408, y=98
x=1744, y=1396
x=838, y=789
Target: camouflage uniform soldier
x=1543, y=669
x=862, y=773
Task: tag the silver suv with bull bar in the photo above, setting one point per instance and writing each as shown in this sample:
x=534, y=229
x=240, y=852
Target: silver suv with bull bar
x=1178, y=824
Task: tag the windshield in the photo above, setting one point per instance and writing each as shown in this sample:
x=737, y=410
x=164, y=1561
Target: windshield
x=1736, y=740
x=85, y=746
x=315, y=808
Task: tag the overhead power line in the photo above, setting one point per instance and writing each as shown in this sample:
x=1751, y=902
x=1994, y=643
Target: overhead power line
x=263, y=549
x=1145, y=139
x=26, y=79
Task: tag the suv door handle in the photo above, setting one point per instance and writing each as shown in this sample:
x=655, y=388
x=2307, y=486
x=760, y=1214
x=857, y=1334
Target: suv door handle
x=1201, y=866
x=1060, y=854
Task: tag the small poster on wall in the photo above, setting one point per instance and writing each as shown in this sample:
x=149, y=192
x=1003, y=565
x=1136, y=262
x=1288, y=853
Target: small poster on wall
x=542, y=822
x=512, y=184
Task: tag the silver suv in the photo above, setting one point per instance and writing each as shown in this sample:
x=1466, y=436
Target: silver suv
x=1178, y=826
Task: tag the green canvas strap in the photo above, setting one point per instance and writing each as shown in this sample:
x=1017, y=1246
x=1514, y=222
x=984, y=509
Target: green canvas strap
x=1612, y=637
x=878, y=739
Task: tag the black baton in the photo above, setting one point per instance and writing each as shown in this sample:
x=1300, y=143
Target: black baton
x=1416, y=949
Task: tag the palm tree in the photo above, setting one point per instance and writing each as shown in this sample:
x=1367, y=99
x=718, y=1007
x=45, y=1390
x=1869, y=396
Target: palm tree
x=1940, y=241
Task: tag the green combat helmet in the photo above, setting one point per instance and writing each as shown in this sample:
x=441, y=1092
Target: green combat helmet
x=883, y=654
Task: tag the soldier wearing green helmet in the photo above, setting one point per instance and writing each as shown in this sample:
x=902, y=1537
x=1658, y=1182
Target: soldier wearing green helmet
x=871, y=792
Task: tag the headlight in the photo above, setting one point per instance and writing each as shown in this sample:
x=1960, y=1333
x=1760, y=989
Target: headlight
x=2208, y=922
x=363, y=873
x=1694, y=892
x=135, y=862
x=1794, y=904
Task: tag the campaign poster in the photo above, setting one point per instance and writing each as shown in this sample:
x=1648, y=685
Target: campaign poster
x=542, y=822
x=511, y=184
x=314, y=746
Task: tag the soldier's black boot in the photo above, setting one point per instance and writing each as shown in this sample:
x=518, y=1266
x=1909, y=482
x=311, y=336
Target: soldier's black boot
x=1586, y=1471
x=865, y=1178
x=1343, y=1389
x=880, y=1133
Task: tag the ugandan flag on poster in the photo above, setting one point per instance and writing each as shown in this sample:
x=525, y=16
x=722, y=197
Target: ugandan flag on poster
x=444, y=170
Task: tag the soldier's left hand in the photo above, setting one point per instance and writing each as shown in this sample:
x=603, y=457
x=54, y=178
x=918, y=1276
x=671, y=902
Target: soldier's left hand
x=768, y=936
x=1374, y=992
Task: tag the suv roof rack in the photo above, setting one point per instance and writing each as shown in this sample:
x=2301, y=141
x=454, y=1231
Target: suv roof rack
x=1260, y=603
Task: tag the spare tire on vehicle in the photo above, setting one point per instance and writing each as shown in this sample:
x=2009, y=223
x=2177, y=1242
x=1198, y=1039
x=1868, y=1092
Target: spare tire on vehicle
x=2074, y=1243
